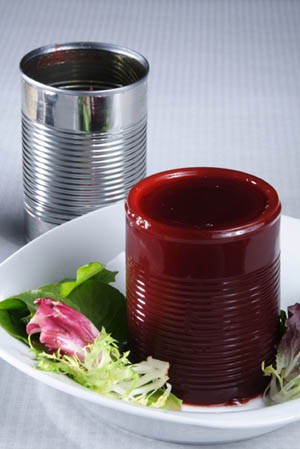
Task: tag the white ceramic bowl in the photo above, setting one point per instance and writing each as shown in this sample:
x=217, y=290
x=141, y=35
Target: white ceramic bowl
x=99, y=236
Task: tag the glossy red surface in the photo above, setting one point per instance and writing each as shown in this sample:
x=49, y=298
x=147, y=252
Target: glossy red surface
x=203, y=203
x=202, y=258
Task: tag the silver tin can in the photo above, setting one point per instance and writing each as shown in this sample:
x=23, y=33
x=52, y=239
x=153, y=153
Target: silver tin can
x=84, y=128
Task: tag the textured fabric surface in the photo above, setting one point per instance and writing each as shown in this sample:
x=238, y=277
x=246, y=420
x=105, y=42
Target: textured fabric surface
x=224, y=90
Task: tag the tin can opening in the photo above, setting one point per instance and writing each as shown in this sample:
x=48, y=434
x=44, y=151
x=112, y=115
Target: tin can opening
x=84, y=66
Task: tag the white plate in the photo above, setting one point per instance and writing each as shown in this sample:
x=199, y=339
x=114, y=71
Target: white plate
x=99, y=236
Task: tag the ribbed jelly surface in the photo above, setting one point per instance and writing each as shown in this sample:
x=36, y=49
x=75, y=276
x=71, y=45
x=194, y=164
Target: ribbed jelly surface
x=214, y=332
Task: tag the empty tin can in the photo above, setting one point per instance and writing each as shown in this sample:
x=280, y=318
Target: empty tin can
x=84, y=127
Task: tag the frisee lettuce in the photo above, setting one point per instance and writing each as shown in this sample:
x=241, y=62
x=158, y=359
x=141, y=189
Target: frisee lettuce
x=105, y=370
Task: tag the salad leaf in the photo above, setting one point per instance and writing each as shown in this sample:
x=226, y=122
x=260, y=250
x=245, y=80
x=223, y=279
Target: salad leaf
x=90, y=294
x=285, y=375
x=86, y=272
x=60, y=327
x=12, y=313
x=105, y=306
x=61, y=323
x=282, y=321
x=105, y=370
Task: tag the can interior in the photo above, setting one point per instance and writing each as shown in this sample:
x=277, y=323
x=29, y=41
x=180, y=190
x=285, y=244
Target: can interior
x=84, y=68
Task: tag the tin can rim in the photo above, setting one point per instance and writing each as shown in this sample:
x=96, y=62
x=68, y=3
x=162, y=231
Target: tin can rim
x=81, y=45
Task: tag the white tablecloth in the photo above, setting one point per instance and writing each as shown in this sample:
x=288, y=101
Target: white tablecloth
x=224, y=90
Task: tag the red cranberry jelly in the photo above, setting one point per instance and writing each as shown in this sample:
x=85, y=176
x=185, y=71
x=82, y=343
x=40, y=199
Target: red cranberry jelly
x=202, y=261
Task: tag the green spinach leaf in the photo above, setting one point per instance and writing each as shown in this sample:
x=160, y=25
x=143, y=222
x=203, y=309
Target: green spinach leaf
x=90, y=293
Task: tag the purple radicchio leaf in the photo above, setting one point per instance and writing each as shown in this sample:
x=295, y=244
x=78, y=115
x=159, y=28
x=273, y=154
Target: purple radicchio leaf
x=288, y=356
x=285, y=375
x=61, y=327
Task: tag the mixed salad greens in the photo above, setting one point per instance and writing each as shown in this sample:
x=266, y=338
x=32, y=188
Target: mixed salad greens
x=285, y=373
x=76, y=327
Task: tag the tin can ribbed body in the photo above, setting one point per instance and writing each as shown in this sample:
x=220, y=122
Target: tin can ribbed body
x=84, y=129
